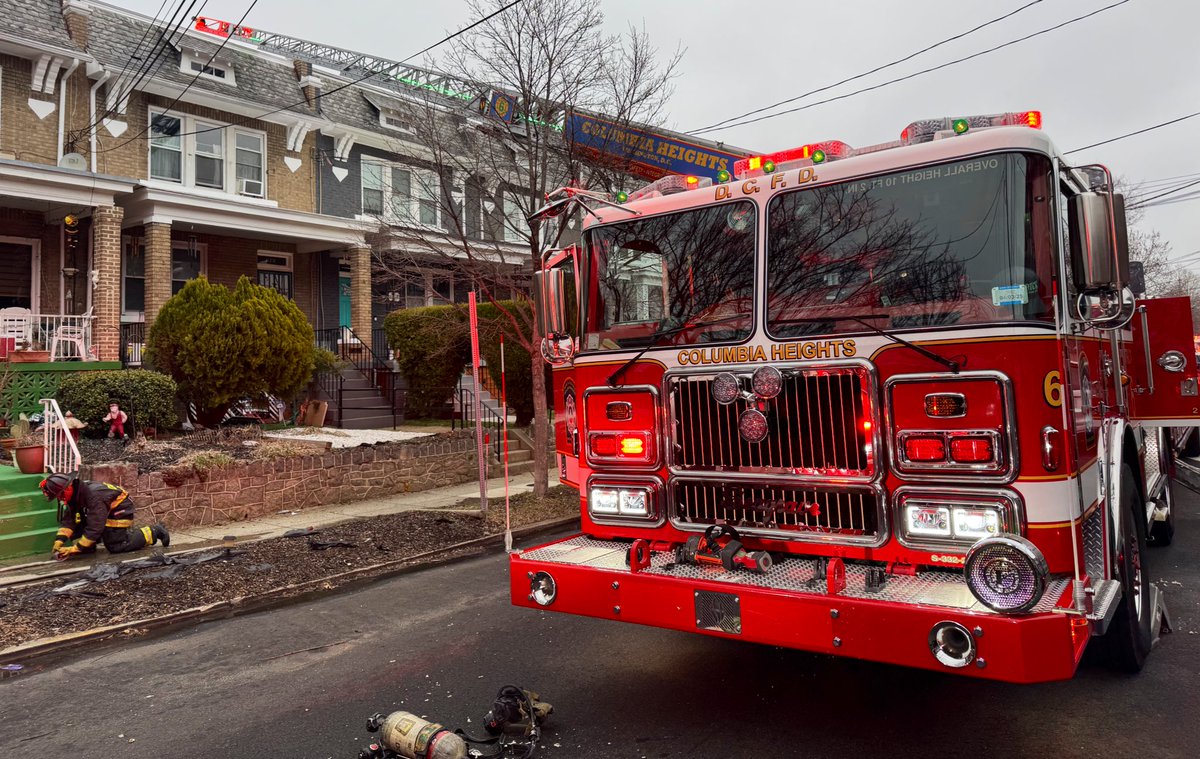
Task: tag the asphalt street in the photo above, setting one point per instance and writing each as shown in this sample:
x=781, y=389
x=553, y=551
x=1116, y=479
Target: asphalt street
x=441, y=642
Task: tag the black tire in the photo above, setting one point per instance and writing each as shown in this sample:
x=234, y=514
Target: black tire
x=1128, y=639
x=1191, y=446
x=1162, y=533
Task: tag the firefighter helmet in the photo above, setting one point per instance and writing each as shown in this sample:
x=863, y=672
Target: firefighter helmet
x=56, y=485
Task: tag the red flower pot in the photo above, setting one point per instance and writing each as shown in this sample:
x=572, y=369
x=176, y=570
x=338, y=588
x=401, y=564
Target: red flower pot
x=31, y=459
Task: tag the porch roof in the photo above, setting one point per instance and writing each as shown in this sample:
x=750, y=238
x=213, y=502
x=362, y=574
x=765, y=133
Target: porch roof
x=241, y=217
x=24, y=182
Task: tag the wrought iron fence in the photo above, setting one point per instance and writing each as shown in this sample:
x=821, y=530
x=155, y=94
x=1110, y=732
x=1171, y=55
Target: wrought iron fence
x=133, y=341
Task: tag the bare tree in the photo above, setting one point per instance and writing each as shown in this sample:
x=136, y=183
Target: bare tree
x=1165, y=278
x=486, y=171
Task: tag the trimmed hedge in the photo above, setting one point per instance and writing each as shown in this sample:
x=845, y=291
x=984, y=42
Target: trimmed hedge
x=431, y=347
x=517, y=362
x=148, y=397
x=223, y=345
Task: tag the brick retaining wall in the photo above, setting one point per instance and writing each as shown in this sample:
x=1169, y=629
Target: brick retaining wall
x=251, y=489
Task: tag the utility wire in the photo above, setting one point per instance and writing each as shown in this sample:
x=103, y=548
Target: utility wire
x=247, y=119
x=211, y=58
x=875, y=70
x=923, y=71
x=1143, y=201
x=1131, y=134
x=1171, y=201
x=145, y=68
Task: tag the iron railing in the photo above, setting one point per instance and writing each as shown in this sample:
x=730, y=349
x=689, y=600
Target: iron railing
x=133, y=342
x=62, y=454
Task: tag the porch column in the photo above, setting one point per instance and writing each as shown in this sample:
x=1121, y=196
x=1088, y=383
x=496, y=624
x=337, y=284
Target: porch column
x=360, y=292
x=106, y=298
x=158, y=267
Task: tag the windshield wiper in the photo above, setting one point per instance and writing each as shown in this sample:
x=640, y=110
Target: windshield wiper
x=950, y=364
x=659, y=335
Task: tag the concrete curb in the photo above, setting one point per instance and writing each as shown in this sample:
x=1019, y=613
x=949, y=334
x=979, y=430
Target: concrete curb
x=1188, y=474
x=276, y=597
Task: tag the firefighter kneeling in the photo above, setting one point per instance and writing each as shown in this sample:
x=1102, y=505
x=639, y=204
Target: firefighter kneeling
x=102, y=511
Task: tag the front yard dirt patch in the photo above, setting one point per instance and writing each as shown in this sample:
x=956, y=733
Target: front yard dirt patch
x=32, y=612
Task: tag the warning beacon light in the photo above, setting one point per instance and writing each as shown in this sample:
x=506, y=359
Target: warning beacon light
x=931, y=129
x=805, y=155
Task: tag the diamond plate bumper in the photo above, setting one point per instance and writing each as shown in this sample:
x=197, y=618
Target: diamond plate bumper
x=788, y=607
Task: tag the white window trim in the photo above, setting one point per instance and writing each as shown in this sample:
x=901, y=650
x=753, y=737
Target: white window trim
x=187, y=58
x=187, y=150
x=421, y=179
x=275, y=254
x=35, y=269
x=384, y=115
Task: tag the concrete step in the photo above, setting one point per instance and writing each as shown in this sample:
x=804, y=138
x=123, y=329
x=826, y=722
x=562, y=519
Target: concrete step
x=16, y=503
x=368, y=423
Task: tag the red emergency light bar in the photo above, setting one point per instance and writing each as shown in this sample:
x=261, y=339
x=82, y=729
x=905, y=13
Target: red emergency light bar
x=668, y=185
x=928, y=129
x=226, y=29
x=813, y=153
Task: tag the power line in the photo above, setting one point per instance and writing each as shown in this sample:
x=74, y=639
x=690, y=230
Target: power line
x=924, y=71
x=145, y=67
x=211, y=58
x=875, y=70
x=1143, y=201
x=1171, y=201
x=1131, y=134
x=247, y=119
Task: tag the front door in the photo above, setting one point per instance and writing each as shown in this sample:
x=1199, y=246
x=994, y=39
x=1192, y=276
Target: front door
x=16, y=275
x=343, y=302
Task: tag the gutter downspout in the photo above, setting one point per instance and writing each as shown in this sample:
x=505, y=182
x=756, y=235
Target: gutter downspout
x=94, y=131
x=62, y=105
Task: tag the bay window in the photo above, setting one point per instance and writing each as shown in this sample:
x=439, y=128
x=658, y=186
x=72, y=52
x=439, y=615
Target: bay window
x=194, y=153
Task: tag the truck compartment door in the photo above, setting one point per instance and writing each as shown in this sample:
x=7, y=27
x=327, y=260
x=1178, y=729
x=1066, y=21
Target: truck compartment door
x=1162, y=391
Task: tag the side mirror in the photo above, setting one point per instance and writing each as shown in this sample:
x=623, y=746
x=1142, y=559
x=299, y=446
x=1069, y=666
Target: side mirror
x=1092, y=245
x=557, y=346
x=1137, y=278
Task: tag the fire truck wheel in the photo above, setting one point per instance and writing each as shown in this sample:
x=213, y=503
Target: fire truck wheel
x=1162, y=533
x=1128, y=639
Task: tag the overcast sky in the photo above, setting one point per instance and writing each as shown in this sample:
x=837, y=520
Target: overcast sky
x=1124, y=69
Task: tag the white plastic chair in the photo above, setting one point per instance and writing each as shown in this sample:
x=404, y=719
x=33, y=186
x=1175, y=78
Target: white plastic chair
x=16, y=324
x=71, y=334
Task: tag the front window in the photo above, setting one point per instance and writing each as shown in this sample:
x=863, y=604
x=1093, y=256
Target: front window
x=400, y=194
x=960, y=243
x=249, y=172
x=674, y=279
x=166, y=148
x=275, y=272
x=210, y=156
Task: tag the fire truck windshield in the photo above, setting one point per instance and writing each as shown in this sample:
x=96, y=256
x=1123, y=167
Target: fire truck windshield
x=678, y=278
x=957, y=243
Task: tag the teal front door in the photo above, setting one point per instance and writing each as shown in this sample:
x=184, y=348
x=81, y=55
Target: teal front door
x=343, y=301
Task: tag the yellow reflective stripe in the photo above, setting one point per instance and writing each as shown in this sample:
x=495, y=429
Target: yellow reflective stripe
x=86, y=542
x=117, y=502
x=149, y=536
x=65, y=532
x=119, y=523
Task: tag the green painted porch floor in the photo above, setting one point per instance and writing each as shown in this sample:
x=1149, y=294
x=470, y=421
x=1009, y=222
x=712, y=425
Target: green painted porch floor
x=27, y=520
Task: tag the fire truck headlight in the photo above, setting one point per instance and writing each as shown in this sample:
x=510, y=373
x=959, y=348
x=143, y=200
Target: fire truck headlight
x=1007, y=573
x=633, y=503
x=604, y=500
x=726, y=388
x=542, y=589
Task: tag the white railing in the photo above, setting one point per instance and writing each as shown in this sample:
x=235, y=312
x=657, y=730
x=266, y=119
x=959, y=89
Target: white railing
x=65, y=336
x=62, y=455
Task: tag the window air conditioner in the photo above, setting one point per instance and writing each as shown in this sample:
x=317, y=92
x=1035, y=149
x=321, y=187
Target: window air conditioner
x=250, y=187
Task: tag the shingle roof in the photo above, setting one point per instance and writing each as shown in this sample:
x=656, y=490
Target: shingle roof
x=114, y=35
x=39, y=21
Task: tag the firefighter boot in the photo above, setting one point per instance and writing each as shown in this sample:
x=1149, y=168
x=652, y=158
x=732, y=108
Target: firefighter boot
x=159, y=534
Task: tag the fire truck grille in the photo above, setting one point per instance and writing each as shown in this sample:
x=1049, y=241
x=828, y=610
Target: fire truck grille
x=844, y=514
x=819, y=425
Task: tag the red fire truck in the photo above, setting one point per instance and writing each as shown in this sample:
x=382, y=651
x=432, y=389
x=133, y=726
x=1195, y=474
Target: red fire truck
x=896, y=403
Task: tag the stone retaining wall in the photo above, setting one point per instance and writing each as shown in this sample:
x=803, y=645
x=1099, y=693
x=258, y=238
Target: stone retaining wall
x=250, y=489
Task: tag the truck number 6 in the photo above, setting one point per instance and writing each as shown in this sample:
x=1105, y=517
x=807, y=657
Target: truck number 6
x=1052, y=388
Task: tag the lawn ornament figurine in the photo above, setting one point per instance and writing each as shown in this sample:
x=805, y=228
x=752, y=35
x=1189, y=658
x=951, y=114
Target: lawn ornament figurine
x=116, y=419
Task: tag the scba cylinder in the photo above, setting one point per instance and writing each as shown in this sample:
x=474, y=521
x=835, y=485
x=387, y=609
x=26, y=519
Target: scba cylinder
x=414, y=738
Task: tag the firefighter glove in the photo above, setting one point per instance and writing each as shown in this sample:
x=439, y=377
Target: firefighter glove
x=65, y=553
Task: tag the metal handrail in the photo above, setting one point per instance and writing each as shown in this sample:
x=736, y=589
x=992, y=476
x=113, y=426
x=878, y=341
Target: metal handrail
x=62, y=454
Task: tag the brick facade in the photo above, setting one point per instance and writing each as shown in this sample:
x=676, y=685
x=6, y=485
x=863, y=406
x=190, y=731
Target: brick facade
x=248, y=490
x=106, y=297
x=22, y=134
x=360, y=292
x=158, y=267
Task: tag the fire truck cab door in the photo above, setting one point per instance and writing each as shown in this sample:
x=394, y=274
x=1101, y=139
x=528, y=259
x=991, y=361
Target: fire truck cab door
x=1162, y=364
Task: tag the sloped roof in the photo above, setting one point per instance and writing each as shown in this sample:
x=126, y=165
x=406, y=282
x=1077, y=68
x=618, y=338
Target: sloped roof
x=114, y=35
x=39, y=21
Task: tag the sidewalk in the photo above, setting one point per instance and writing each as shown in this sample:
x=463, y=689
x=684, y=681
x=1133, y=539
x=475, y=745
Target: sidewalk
x=275, y=525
